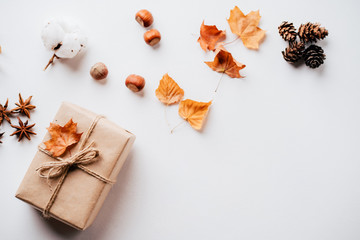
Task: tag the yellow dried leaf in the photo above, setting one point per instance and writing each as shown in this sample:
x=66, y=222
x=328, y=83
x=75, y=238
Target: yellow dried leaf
x=194, y=112
x=169, y=91
x=246, y=27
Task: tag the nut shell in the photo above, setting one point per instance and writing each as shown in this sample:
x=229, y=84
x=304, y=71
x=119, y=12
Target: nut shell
x=144, y=18
x=99, y=71
x=135, y=82
x=152, y=37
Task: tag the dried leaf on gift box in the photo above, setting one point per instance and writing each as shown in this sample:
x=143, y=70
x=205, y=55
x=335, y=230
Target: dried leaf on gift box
x=169, y=91
x=62, y=137
x=246, y=27
x=225, y=63
x=209, y=36
x=194, y=112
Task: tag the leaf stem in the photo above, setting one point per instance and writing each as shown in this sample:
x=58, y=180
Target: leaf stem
x=219, y=82
x=231, y=41
x=178, y=125
x=165, y=115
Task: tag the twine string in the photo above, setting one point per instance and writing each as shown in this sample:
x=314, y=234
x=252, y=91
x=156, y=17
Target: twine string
x=61, y=167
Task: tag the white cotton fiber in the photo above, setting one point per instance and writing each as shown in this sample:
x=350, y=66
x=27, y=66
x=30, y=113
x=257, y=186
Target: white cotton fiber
x=63, y=37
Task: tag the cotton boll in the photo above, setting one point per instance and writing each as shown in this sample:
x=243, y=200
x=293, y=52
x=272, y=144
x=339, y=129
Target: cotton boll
x=52, y=34
x=70, y=46
x=64, y=38
x=82, y=39
x=67, y=25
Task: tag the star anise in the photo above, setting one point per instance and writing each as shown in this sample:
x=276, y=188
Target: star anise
x=24, y=107
x=1, y=134
x=23, y=130
x=4, y=114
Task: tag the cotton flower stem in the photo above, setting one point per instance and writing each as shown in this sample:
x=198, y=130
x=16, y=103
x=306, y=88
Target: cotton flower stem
x=178, y=125
x=51, y=61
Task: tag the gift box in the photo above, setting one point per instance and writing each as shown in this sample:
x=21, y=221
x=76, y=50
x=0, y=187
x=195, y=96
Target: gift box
x=76, y=195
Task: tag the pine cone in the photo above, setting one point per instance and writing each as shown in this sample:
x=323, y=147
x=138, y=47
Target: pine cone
x=294, y=52
x=314, y=56
x=287, y=31
x=311, y=32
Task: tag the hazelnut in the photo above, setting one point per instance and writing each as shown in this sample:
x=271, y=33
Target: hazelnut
x=144, y=18
x=135, y=82
x=152, y=37
x=99, y=71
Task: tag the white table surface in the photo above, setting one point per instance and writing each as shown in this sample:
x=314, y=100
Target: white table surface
x=278, y=157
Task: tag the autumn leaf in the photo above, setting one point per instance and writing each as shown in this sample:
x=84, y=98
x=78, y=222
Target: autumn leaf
x=220, y=46
x=209, y=36
x=62, y=137
x=246, y=27
x=169, y=91
x=194, y=112
x=225, y=63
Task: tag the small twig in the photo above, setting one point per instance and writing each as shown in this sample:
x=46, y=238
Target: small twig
x=51, y=61
x=178, y=125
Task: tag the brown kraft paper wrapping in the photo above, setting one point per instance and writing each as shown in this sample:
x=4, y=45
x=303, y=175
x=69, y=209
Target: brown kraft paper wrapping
x=81, y=195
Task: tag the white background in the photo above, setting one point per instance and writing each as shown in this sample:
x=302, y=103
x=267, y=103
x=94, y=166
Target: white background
x=277, y=159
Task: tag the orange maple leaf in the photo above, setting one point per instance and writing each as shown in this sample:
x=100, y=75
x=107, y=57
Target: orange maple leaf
x=194, y=112
x=169, y=91
x=246, y=27
x=62, y=137
x=225, y=63
x=209, y=36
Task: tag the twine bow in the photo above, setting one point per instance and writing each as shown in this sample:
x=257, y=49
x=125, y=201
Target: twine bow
x=60, y=168
x=56, y=169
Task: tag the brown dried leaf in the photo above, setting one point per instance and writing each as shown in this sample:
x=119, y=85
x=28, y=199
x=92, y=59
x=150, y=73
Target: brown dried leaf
x=225, y=63
x=246, y=27
x=169, y=91
x=209, y=36
x=62, y=137
x=194, y=112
